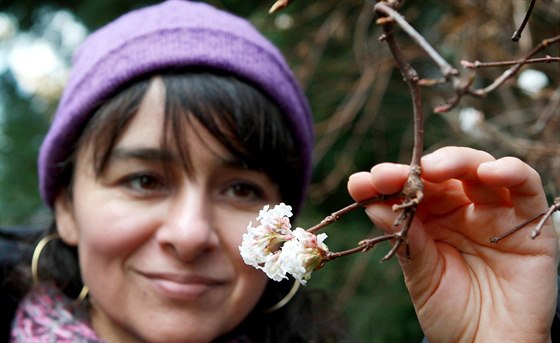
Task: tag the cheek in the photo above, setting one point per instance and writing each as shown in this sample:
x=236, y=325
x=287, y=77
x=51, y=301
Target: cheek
x=250, y=287
x=254, y=281
x=109, y=235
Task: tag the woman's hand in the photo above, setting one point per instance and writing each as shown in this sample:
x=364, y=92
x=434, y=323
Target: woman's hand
x=464, y=287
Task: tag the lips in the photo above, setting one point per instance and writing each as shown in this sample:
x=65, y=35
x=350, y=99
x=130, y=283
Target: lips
x=181, y=286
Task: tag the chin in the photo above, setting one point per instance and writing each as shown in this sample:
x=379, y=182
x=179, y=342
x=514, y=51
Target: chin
x=186, y=336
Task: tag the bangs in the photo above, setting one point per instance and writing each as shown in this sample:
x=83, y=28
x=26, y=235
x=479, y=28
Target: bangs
x=233, y=112
x=248, y=124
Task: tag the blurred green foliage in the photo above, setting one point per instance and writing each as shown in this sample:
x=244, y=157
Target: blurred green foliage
x=362, y=110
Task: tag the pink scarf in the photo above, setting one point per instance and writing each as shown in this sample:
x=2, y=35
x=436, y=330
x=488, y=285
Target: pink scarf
x=46, y=315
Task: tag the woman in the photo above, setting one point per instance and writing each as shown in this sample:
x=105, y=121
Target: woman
x=178, y=124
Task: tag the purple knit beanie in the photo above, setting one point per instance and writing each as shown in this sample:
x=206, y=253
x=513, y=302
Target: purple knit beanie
x=171, y=34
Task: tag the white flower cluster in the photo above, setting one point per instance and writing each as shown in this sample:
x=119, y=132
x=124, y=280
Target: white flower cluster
x=278, y=250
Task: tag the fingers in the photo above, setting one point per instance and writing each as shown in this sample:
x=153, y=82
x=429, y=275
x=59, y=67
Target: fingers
x=453, y=162
x=522, y=181
x=386, y=178
x=462, y=164
x=389, y=178
x=456, y=176
x=506, y=181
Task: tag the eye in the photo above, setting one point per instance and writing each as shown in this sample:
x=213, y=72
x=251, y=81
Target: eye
x=245, y=191
x=144, y=183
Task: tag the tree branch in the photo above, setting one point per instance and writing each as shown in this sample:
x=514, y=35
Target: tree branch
x=478, y=64
x=335, y=216
x=517, y=33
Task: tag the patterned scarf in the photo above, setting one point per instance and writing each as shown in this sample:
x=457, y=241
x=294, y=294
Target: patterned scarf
x=47, y=315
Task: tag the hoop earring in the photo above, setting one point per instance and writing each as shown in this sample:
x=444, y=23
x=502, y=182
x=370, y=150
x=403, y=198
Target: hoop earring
x=37, y=253
x=35, y=264
x=83, y=294
x=285, y=299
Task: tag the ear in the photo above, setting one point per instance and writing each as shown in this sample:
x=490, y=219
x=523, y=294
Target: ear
x=65, y=220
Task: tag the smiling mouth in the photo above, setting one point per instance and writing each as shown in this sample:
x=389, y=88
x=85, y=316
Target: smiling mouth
x=187, y=288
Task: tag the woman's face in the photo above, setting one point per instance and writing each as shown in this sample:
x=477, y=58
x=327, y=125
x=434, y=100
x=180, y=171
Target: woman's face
x=158, y=249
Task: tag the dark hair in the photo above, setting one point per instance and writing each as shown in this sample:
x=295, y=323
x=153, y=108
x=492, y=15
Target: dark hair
x=254, y=130
x=242, y=118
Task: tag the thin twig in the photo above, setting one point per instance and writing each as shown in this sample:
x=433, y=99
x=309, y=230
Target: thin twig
x=517, y=33
x=335, y=216
x=363, y=246
x=413, y=188
x=554, y=207
x=462, y=88
x=515, y=68
x=518, y=227
x=279, y=5
x=446, y=69
x=478, y=64
x=537, y=230
x=411, y=77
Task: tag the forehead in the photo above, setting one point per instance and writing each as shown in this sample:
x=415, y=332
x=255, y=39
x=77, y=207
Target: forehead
x=148, y=129
x=147, y=125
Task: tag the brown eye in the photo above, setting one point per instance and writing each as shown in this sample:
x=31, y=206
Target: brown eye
x=144, y=183
x=244, y=191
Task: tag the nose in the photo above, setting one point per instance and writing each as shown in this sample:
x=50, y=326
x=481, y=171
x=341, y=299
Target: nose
x=188, y=230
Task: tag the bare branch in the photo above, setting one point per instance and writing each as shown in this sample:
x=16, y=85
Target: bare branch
x=478, y=64
x=279, y=5
x=554, y=207
x=335, y=216
x=517, y=33
x=518, y=227
x=537, y=230
x=515, y=68
x=462, y=88
x=363, y=246
x=412, y=189
x=412, y=192
x=446, y=69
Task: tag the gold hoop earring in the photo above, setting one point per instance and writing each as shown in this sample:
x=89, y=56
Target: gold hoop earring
x=83, y=294
x=35, y=264
x=37, y=253
x=285, y=299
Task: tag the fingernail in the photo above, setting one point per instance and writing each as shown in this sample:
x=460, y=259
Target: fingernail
x=432, y=158
x=492, y=165
x=381, y=215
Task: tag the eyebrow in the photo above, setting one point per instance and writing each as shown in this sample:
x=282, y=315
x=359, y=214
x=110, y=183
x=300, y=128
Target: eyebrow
x=234, y=162
x=165, y=156
x=145, y=154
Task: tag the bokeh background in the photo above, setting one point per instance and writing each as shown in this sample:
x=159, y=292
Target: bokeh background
x=361, y=105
